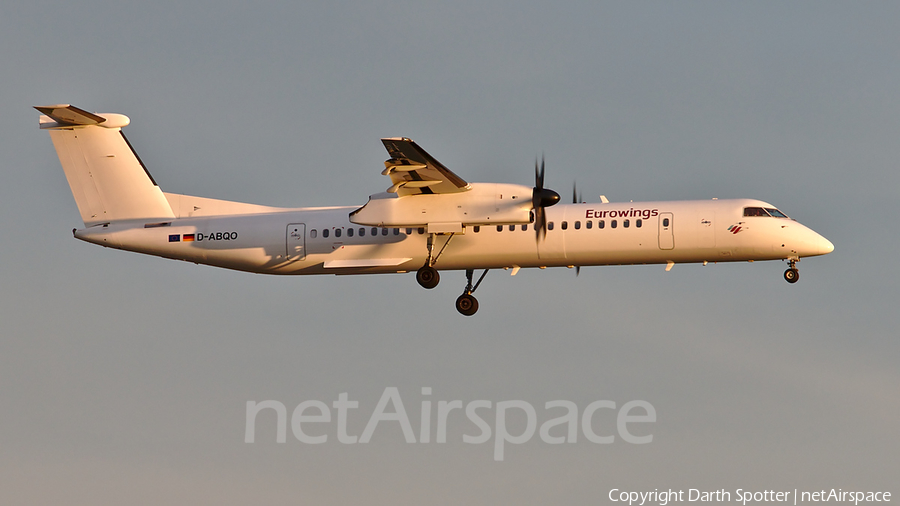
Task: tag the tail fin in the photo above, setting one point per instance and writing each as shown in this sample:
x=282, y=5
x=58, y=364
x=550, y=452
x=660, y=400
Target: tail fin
x=108, y=180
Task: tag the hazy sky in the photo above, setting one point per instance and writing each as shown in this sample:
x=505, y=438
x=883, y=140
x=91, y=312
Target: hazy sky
x=125, y=378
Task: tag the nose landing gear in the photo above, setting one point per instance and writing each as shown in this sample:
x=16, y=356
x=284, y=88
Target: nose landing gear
x=467, y=304
x=792, y=275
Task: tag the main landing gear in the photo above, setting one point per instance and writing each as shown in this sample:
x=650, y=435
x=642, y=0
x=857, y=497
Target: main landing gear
x=792, y=275
x=428, y=276
x=466, y=303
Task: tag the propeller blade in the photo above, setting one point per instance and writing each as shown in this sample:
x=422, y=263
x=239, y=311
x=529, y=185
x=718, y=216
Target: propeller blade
x=540, y=198
x=576, y=196
x=539, y=176
x=538, y=184
x=540, y=223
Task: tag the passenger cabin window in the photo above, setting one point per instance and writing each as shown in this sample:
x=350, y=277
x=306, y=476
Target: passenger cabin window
x=408, y=231
x=384, y=231
x=577, y=225
x=476, y=229
x=421, y=230
x=512, y=228
x=601, y=224
x=362, y=232
x=638, y=223
x=589, y=224
x=349, y=232
x=374, y=231
x=550, y=225
x=565, y=225
x=524, y=228
x=324, y=232
x=337, y=232
x=613, y=224
x=665, y=222
x=755, y=211
x=499, y=228
x=626, y=223
x=313, y=233
x=396, y=231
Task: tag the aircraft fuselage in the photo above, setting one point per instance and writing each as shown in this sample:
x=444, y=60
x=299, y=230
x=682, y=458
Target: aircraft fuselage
x=324, y=241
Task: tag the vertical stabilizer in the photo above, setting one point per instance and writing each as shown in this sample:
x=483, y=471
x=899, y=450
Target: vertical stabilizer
x=108, y=180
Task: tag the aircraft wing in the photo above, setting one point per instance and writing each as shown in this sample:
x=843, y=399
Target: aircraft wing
x=413, y=171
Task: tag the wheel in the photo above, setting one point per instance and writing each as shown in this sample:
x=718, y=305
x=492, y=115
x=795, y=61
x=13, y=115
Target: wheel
x=791, y=275
x=467, y=304
x=428, y=277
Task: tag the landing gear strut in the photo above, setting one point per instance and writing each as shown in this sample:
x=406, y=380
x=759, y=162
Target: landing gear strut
x=467, y=304
x=427, y=275
x=792, y=275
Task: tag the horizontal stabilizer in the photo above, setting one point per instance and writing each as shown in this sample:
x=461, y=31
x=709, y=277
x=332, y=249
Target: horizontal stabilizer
x=70, y=115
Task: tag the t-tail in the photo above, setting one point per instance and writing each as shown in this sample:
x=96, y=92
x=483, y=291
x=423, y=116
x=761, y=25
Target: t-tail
x=108, y=180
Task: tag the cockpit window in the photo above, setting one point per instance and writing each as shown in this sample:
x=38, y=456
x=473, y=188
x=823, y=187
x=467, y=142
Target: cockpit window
x=759, y=211
x=755, y=211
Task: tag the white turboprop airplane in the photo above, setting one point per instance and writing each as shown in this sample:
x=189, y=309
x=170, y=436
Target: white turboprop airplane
x=429, y=219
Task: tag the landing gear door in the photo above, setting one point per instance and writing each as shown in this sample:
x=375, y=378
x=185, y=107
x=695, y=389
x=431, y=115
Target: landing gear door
x=296, y=241
x=666, y=231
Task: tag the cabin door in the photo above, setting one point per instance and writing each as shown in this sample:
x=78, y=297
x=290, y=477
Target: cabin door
x=296, y=241
x=666, y=231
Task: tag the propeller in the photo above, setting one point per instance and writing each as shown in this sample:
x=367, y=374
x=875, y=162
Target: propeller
x=576, y=199
x=540, y=198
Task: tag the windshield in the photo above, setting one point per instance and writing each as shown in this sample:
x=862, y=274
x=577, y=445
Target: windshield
x=759, y=211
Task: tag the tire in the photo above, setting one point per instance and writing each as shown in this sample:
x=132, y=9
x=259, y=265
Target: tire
x=428, y=277
x=466, y=304
x=792, y=275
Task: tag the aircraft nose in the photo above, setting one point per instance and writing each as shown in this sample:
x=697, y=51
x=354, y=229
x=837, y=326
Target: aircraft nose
x=815, y=244
x=825, y=246
x=808, y=243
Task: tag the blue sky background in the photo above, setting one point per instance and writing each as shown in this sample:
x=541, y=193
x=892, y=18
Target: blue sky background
x=124, y=378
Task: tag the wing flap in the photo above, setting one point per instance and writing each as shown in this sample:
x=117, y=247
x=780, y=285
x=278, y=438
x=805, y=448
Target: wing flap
x=396, y=187
x=413, y=171
x=390, y=167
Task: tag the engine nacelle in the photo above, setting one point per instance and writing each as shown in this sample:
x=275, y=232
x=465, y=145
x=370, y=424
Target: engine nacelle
x=482, y=204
